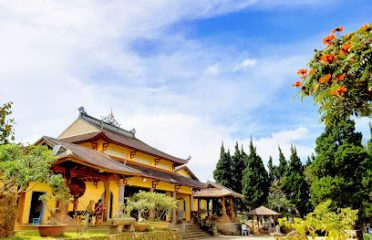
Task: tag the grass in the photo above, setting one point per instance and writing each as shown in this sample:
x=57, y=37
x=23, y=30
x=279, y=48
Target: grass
x=34, y=235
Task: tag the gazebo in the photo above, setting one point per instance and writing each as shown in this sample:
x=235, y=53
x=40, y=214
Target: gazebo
x=218, y=194
x=261, y=212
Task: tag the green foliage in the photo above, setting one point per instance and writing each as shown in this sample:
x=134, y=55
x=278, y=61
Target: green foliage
x=335, y=224
x=6, y=123
x=237, y=166
x=145, y=201
x=294, y=184
x=367, y=236
x=341, y=169
x=271, y=170
x=340, y=79
x=223, y=172
x=255, y=179
x=20, y=165
x=282, y=164
x=277, y=199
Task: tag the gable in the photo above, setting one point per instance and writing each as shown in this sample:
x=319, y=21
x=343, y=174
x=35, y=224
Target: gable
x=78, y=127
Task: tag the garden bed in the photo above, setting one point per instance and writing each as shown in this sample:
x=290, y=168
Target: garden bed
x=101, y=235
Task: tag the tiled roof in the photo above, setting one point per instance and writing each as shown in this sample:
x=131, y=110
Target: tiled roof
x=103, y=161
x=120, y=136
x=89, y=156
x=165, y=176
x=216, y=190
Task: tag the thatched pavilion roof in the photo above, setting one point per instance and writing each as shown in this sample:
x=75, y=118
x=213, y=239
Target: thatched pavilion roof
x=262, y=211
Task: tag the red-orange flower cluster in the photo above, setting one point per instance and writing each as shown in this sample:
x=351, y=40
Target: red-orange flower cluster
x=339, y=92
x=325, y=78
x=329, y=39
x=338, y=29
x=345, y=49
x=302, y=73
x=296, y=84
x=340, y=77
x=312, y=71
x=330, y=58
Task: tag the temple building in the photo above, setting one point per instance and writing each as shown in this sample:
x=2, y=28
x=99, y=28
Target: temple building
x=100, y=160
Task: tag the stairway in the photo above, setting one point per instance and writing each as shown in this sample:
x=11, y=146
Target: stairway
x=194, y=232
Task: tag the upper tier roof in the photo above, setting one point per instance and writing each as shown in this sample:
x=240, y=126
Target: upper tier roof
x=119, y=136
x=87, y=156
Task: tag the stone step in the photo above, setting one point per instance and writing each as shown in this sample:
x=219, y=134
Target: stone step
x=194, y=232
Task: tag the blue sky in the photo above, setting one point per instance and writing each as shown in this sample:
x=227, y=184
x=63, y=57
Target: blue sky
x=186, y=74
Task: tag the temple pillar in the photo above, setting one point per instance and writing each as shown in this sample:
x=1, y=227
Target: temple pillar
x=174, y=212
x=121, y=193
x=151, y=211
x=107, y=198
x=270, y=224
x=231, y=208
x=253, y=225
x=223, y=207
x=191, y=203
x=207, y=206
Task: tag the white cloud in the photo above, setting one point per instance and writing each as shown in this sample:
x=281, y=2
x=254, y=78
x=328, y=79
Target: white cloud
x=59, y=55
x=246, y=63
x=212, y=70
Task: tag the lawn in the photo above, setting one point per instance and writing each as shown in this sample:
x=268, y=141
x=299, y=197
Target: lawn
x=34, y=235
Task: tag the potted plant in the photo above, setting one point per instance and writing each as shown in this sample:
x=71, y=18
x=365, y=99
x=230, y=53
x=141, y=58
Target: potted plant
x=122, y=218
x=61, y=194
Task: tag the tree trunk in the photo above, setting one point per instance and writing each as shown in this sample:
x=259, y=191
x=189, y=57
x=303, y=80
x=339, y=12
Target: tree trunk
x=8, y=212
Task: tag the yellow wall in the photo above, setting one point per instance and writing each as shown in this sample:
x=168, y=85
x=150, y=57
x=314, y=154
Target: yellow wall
x=36, y=187
x=186, y=198
x=124, y=153
x=78, y=127
x=183, y=172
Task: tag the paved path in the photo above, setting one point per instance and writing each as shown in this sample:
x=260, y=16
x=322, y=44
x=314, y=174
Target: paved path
x=221, y=237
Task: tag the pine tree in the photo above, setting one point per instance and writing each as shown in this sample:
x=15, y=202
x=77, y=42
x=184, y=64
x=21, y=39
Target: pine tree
x=237, y=168
x=255, y=179
x=222, y=173
x=341, y=171
x=294, y=184
x=272, y=170
x=282, y=163
x=370, y=140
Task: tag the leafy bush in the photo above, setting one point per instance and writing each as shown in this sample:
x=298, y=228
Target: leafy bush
x=334, y=224
x=143, y=202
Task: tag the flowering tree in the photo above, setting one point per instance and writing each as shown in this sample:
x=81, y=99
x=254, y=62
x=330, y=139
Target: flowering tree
x=340, y=79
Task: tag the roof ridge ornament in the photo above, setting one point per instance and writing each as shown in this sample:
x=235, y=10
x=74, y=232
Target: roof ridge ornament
x=82, y=111
x=110, y=119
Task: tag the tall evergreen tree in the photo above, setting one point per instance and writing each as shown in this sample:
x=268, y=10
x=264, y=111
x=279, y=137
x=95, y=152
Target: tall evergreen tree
x=282, y=163
x=222, y=173
x=272, y=170
x=341, y=171
x=294, y=184
x=370, y=140
x=237, y=168
x=255, y=179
